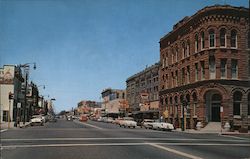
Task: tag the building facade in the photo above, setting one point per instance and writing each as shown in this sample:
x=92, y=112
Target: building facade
x=114, y=101
x=205, y=68
x=87, y=106
x=11, y=83
x=143, y=89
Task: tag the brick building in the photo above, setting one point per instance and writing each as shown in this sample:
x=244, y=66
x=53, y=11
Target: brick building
x=143, y=89
x=205, y=62
x=113, y=100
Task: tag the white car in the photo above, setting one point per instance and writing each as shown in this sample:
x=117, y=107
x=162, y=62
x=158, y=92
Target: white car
x=162, y=126
x=147, y=123
x=37, y=120
x=128, y=122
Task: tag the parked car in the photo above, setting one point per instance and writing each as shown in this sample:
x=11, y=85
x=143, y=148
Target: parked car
x=162, y=126
x=128, y=122
x=69, y=118
x=147, y=123
x=117, y=121
x=110, y=120
x=37, y=120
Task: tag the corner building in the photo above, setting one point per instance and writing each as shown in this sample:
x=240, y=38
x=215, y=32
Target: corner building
x=205, y=61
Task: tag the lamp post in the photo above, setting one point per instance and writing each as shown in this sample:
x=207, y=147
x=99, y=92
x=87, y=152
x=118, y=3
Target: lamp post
x=26, y=71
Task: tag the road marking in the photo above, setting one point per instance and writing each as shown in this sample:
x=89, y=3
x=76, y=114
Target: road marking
x=175, y=151
x=88, y=125
x=4, y=130
x=126, y=138
x=122, y=144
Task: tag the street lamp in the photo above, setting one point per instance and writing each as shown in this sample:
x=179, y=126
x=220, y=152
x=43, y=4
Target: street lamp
x=26, y=71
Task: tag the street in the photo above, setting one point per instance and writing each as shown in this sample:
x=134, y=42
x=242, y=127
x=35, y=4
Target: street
x=97, y=140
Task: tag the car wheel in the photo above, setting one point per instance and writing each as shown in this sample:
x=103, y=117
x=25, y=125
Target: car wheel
x=134, y=127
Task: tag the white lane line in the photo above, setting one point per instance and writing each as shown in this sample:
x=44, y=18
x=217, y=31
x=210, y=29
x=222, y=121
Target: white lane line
x=93, y=126
x=122, y=138
x=175, y=151
x=4, y=130
x=122, y=144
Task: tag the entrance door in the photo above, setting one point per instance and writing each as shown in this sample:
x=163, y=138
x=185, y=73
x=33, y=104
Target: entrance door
x=215, y=112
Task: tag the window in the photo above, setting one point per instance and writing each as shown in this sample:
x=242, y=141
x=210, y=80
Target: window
x=234, y=69
x=173, y=59
x=223, y=68
x=202, y=40
x=183, y=50
x=194, y=96
x=237, y=103
x=212, y=67
x=202, y=70
x=166, y=101
x=188, y=49
x=166, y=61
x=5, y=115
x=176, y=54
x=183, y=76
x=172, y=84
x=196, y=72
x=196, y=43
x=223, y=37
x=177, y=80
x=211, y=38
x=234, y=39
x=188, y=74
x=248, y=111
x=163, y=62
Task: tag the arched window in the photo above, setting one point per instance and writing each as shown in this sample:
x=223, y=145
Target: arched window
x=248, y=111
x=202, y=40
x=166, y=101
x=176, y=100
x=183, y=50
x=196, y=43
x=188, y=104
x=194, y=96
x=234, y=38
x=211, y=38
x=223, y=37
x=171, y=100
x=237, y=103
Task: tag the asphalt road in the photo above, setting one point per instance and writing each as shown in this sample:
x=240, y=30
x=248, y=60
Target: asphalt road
x=96, y=140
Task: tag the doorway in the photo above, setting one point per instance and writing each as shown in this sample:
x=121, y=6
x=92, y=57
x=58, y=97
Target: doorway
x=213, y=104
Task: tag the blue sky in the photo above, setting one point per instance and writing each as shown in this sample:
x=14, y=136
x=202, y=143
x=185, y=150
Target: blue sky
x=84, y=46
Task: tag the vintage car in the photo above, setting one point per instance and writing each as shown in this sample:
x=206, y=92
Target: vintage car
x=162, y=126
x=37, y=120
x=147, y=123
x=128, y=122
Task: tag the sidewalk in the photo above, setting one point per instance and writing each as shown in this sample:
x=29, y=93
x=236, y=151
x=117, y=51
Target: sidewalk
x=223, y=132
x=6, y=124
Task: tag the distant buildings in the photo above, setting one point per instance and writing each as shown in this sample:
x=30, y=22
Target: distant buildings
x=205, y=67
x=143, y=89
x=114, y=101
x=15, y=105
x=87, y=107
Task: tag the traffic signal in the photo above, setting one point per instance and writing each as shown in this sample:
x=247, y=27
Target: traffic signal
x=11, y=95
